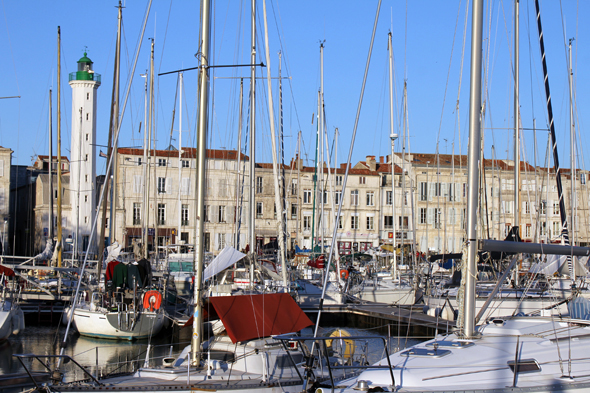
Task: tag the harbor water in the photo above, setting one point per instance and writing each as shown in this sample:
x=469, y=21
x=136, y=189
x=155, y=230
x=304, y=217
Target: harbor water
x=101, y=357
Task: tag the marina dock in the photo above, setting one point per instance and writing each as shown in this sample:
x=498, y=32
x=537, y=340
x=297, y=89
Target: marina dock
x=395, y=318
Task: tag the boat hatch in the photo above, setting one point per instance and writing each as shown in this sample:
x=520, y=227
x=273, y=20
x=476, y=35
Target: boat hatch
x=426, y=353
x=450, y=344
x=525, y=366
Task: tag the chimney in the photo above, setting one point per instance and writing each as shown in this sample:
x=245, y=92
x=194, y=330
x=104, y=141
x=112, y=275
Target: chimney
x=371, y=163
x=381, y=160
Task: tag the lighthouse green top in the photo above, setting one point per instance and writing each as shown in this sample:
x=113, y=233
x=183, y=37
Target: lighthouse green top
x=85, y=59
x=85, y=72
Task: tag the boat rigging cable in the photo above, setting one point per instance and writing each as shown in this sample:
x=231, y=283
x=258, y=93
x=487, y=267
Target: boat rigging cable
x=332, y=246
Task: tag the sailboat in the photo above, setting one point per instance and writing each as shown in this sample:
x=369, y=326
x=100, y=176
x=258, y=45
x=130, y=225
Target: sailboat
x=532, y=354
x=128, y=307
x=246, y=357
x=12, y=318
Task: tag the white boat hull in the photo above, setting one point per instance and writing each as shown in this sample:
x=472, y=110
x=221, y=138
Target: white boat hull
x=123, y=326
x=12, y=320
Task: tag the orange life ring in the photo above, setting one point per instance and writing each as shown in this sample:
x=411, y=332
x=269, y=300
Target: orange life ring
x=152, y=300
x=344, y=274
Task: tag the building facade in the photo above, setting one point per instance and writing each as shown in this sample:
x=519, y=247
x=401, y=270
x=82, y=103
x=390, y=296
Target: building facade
x=428, y=208
x=5, y=165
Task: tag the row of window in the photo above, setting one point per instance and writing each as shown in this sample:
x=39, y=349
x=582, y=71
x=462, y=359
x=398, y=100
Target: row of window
x=354, y=197
x=161, y=161
x=161, y=217
x=338, y=178
x=427, y=216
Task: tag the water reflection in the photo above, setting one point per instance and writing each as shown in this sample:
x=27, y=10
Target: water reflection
x=102, y=357
x=99, y=356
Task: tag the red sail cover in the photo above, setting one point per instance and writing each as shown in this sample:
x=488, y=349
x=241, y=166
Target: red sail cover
x=8, y=272
x=247, y=317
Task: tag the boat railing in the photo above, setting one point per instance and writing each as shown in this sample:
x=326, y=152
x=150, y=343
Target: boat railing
x=323, y=351
x=56, y=375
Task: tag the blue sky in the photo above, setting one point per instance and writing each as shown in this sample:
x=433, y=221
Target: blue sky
x=427, y=40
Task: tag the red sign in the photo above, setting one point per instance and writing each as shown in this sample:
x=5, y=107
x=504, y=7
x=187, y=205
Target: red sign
x=390, y=235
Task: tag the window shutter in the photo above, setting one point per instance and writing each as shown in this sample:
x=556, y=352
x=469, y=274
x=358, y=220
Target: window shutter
x=431, y=190
x=229, y=211
x=450, y=244
x=430, y=215
x=186, y=186
x=1, y=168
x=423, y=244
x=137, y=180
x=168, y=185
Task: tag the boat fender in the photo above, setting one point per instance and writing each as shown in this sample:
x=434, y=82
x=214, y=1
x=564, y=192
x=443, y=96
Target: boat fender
x=152, y=300
x=447, y=313
x=344, y=274
x=15, y=325
x=18, y=322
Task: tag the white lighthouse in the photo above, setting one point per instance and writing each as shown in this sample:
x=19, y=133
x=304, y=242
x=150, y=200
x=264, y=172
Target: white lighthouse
x=84, y=83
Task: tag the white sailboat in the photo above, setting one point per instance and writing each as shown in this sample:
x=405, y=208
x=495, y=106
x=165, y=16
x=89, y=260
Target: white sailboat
x=521, y=354
x=246, y=358
x=12, y=318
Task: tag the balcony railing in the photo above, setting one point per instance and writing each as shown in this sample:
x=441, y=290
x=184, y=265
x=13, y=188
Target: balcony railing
x=84, y=76
x=184, y=223
x=136, y=221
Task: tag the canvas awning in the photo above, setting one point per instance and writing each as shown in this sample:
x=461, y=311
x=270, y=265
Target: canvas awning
x=227, y=257
x=247, y=317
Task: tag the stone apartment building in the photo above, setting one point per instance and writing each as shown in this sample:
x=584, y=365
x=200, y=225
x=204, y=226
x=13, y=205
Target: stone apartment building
x=171, y=191
x=430, y=201
x=441, y=192
x=43, y=199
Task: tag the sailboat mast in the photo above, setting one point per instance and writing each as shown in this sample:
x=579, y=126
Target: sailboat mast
x=562, y=211
x=572, y=146
x=144, y=170
x=275, y=166
x=50, y=172
x=115, y=117
x=180, y=82
x=152, y=156
x=239, y=185
x=516, y=120
x=252, y=223
x=393, y=137
x=322, y=186
x=200, y=179
x=282, y=154
x=147, y=147
x=59, y=191
x=473, y=167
